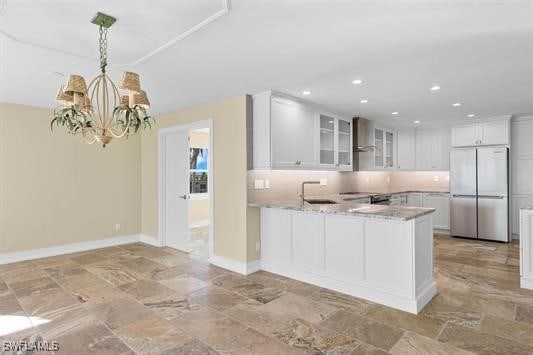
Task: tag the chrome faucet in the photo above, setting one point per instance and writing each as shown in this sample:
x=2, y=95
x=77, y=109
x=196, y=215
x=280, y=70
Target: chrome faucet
x=303, y=191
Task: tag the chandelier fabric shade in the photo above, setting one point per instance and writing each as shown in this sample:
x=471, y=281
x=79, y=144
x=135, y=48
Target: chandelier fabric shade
x=63, y=98
x=76, y=84
x=100, y=112
x=130, y=82
x=141, y=99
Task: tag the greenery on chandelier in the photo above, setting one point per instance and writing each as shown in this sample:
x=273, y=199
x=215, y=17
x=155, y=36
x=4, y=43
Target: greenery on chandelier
x=128, y=119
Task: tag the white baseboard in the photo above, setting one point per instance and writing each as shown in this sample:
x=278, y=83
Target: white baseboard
x=526, y=283
x=8, y=258
x=441, y=231
x=411, y=305
x=201, y=223
x=146, y=239
x=236, y=266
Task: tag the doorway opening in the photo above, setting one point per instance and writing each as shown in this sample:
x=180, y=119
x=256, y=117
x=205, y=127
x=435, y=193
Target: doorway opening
x=186, y=211
x=199, y=193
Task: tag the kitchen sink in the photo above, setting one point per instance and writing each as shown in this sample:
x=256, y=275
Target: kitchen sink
x=320, y=201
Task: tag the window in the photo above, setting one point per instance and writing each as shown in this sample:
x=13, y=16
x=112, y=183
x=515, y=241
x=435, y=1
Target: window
x=199, y=170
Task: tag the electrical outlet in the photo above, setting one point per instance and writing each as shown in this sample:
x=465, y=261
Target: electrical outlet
x=323, y=182
x=257, y=246
x=388, y=179
x=436, y=178
x=259, y=184
x=267, y=184
x=117, y=226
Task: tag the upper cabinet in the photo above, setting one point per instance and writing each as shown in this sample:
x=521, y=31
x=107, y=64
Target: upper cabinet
x=491, y=132
x=432, y=149
x=289, y=133
x=405, y=139
x=293, y=134
x=384, y=148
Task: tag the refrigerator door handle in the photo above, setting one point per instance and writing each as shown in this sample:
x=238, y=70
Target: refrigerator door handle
x=468, y=196
x=492, y=197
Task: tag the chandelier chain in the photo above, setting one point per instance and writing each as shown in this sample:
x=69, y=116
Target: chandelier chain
x=103, y=48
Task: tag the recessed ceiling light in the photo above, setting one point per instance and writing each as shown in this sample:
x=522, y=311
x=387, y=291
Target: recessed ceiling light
x=357, y=81
x=364, y=101
x=416, y=122
x=395, y=113
x=471, y=115
x=435, y=88
x=457, y=104
x=306, y=92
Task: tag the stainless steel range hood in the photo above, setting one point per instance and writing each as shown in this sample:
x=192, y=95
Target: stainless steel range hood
x=361, y=139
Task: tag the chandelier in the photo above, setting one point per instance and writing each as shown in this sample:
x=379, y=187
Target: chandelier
x=99, y=112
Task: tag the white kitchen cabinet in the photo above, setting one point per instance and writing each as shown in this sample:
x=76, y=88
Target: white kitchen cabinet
x=441, y=203
x=346, y=254
x=405, y=151
x=289, y=133
x=490, y=132
x=414, y=199
x=518, y=202
x=335, y=142
x=384, y=151
x=526, y=249
x=293, y=137
x=465, y=135
x=432, y=149
x=521, y=169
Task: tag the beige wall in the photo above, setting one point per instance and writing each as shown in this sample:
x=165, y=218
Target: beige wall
x=230, y=175
x=56, y=189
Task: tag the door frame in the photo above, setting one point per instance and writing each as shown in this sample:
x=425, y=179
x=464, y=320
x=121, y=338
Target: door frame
x=161, y=185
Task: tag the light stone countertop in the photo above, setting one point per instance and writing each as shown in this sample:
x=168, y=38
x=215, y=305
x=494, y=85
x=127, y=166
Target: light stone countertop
x=348, y=208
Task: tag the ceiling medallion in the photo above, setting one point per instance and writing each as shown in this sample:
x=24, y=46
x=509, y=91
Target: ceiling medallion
x=99, y=112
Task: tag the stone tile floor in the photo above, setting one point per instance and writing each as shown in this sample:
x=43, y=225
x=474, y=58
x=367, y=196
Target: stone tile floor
x=199, y=237
x=141, y=299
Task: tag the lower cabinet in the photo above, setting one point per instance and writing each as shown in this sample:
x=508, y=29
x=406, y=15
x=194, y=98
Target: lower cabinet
x=441, y=204
x=526, y=248
x=439, y=201
x=382, y=260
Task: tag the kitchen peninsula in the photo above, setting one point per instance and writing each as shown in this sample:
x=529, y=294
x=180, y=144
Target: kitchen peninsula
x=380, y=253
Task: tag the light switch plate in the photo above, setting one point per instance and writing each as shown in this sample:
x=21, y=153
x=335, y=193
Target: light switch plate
x=259, y=184
x=323, y=182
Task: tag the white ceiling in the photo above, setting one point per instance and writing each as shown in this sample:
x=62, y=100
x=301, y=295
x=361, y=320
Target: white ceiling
x=190, y=52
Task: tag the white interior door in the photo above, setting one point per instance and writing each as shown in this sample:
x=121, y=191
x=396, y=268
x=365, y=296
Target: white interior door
x=176, y=193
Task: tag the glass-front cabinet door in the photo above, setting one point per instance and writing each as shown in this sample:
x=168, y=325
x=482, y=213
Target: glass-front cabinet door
x=327, y=140
x=335, y=143
x=384, y=151
x=389, y=149
x=344, y=135
x=378, y=151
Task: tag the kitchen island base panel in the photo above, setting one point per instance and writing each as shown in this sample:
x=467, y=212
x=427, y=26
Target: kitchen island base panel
x=373, y=295
x=381, y=260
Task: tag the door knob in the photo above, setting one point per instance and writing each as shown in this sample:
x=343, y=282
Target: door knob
x=185, y=197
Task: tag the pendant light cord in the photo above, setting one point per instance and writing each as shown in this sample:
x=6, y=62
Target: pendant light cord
x=103, y=48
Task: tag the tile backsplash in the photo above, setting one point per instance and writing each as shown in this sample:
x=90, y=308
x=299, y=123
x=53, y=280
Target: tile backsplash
x=287, y=183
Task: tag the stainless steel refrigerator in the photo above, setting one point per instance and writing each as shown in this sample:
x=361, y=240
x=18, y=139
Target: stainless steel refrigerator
x=479, y=189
